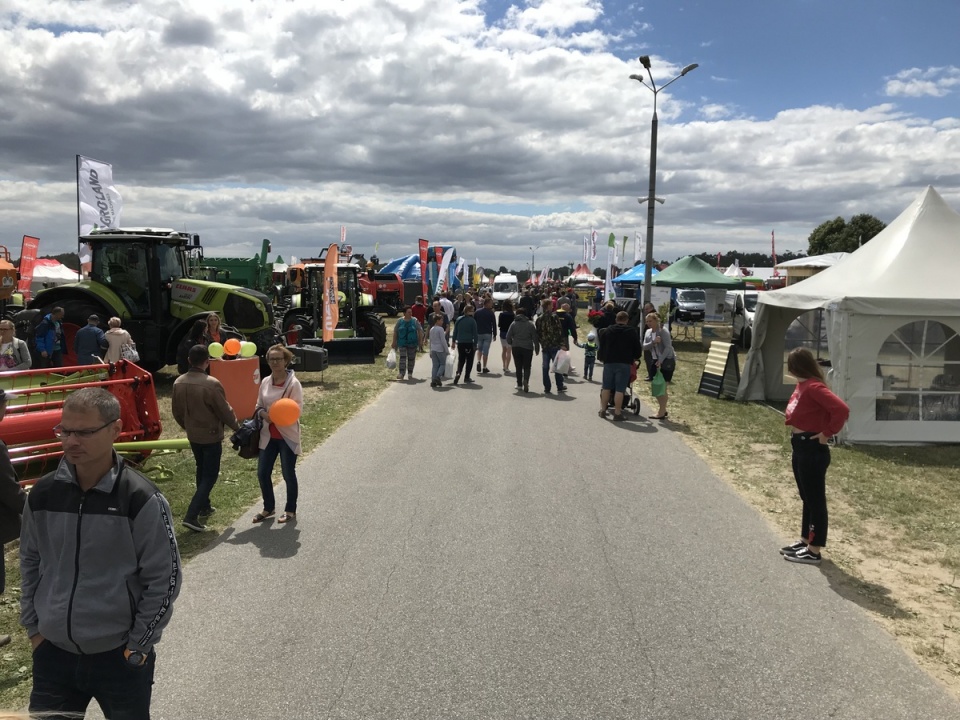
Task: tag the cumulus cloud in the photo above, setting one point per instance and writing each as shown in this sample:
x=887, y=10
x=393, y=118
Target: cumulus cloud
x=933, y=82
x=402, y=119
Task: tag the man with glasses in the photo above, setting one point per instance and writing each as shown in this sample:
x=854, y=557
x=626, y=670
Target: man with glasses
x=200, y=407
x=103, y=536
x=14, y=354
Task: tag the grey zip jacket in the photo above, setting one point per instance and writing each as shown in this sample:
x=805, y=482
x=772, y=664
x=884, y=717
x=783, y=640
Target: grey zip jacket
x=100, y=569
x=523, y=333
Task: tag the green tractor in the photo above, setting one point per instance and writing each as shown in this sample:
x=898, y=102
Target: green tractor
x=360, y=335
x=140, y=275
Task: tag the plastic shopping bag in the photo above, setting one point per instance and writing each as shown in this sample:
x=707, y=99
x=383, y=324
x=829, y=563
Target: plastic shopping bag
x=392, y=359
x=561, y=363
x=659, y=385
x=449, y=366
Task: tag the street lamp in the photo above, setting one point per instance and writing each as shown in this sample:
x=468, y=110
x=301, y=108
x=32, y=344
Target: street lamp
x=652, y=192
x=533, y=254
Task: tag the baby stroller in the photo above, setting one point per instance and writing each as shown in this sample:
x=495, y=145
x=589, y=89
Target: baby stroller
x=630, y=401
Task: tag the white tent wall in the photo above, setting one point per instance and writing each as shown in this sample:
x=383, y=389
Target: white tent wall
x=904, y=275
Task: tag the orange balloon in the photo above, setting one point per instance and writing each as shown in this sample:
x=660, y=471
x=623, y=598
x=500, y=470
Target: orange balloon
x=284, y=412
x=232, y=347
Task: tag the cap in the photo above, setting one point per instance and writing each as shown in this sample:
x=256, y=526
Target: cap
x=591, y=336
x=93, y=318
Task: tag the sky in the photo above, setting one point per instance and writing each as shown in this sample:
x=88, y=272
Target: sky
x=508, y=130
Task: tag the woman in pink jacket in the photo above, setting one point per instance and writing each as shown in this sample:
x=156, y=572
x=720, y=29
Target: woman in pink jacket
x=283, y=441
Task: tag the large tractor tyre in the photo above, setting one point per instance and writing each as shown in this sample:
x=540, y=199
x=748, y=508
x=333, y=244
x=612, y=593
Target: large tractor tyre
x=372, y=325
x=297, y=326
x=75, y=316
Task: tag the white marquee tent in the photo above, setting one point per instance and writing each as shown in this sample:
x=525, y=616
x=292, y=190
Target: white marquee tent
x=890, y=313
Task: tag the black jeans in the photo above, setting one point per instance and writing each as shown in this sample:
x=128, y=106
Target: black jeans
x=810, y=462
x=523, y=359
x=207, y=456
x=65, y=683
x=465, y=355
x=288, y=467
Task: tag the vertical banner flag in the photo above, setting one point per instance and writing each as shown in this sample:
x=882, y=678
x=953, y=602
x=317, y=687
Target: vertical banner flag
x=424, y=244
x=478, y=272
x=586, y=249
x=28, y=258
x=593, y=244
x=459, y=272
x=331, y=297
x=611, y=253
x=773, y=253
x=623, y=252
x=98, y=202
x=543, y=276
x=343, y=234
x=718, y=260
x=636, y=247
x=442, y=279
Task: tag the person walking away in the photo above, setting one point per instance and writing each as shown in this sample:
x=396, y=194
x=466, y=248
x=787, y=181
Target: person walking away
x=647, y=355
x=523, y=340
x=194, y=337
x=14, y=353
x=89, y=342
x=551, y=334
x=504, y=321
x=466, y=336
x=49, y=339
x=407, y=339
x=528, y=303
x=94, y=610
x=116, y=338
x=420, y=312
x=200, y=407
x=814, y=415
x=658, y=341
x=274, y=440
x=622, y=346
x=12, y=498
x=486, y=321
x=589, y=355
x=438, y=350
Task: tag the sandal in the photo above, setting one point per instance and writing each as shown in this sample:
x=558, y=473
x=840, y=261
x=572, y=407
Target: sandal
x=602, y=413
x=287, y=517
x=263, y=515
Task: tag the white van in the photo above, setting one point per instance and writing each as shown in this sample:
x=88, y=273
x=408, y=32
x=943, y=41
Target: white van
x=739, y=307
x=505, y=287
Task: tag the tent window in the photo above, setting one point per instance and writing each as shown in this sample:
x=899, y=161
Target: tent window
x=918, y=374
x=809, y=331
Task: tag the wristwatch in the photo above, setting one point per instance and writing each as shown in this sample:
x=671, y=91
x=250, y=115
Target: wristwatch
x=134, y=657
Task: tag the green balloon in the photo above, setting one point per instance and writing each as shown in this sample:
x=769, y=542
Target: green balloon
x=248, y=349
x=215, y=350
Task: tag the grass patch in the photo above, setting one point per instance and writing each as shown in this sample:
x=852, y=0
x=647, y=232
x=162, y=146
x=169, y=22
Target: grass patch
x=330, y=400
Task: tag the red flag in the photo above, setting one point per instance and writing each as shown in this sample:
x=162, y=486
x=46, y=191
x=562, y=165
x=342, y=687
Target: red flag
x=718, y=260
x=28, y=258
x=424, y=245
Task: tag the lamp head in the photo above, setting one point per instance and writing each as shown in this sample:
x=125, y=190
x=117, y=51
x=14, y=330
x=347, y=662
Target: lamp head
x=688, y=68
x=645, y=61
x=637, y=77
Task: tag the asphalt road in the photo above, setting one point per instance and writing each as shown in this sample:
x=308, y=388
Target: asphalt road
x=459, y=555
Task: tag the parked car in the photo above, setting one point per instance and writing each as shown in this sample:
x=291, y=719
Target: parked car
x=739, y=308
x=690, y=306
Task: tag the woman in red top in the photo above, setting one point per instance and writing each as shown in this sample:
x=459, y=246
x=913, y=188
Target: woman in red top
x=815, y=415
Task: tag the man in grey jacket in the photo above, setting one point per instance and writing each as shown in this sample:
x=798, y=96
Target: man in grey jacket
x=200, y=407
x=100, y=571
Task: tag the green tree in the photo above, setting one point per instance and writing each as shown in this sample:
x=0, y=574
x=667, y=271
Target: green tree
x=839, y=236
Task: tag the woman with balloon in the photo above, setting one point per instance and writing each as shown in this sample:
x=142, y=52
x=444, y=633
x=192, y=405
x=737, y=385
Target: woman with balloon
x=279, y=406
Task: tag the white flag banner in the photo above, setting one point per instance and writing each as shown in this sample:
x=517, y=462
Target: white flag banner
x=586, y=249
x=611, y=260
x=460, y=266
x=98, y=202
x=636, y=248
x=593, y=244
x=444, y=269
x=543, y=276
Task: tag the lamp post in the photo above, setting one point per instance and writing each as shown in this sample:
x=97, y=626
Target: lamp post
x=533, y=254
x=652, y=191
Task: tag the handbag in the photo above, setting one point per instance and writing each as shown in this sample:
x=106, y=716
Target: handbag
x=561, y=363
x=246, y=439
x=659, y=385
x=128, y=351
x=392, y=359
x=449, y=366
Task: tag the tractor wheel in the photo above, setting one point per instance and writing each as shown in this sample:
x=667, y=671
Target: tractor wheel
x=290, y=332
x=372, y=325
x=746, y=337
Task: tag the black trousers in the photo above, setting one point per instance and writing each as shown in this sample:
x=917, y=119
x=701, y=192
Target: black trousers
x=465, y=354
x=810, y=461
x=523, y=359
